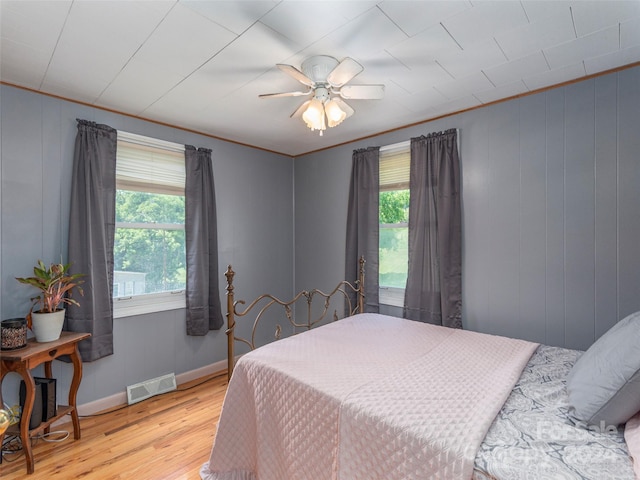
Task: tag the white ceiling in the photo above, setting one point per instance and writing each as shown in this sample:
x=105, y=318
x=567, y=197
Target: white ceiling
x=201, y=65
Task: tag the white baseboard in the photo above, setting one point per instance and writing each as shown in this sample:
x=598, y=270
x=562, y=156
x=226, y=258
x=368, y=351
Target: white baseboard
x=211, y=369
x=120, y=398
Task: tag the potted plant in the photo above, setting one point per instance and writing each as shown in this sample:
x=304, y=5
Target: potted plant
x=56, y=285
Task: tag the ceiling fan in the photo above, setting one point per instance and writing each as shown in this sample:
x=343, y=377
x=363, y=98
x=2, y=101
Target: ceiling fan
x=326, y=79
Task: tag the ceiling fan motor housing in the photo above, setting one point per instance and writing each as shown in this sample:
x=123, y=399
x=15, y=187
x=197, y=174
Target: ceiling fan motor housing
x=318, y=67
x=321, y=93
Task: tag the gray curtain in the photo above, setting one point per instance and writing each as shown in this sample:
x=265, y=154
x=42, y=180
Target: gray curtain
x=201, y=236
x=434, y=281
x=91, y=236
x=363, y=229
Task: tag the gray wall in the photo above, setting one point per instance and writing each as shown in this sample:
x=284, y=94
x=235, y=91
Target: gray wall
x=551, y=219
x=551, y=210
x=254, y=191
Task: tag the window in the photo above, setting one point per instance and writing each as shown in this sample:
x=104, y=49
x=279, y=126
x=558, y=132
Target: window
x=395, y=163
x=149, y=247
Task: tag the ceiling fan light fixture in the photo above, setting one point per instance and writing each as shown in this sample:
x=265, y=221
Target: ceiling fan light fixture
x=335, y=115
x=326, y=78
x=313, y=116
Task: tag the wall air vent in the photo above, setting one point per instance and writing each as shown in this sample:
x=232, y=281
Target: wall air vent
x=149, y=388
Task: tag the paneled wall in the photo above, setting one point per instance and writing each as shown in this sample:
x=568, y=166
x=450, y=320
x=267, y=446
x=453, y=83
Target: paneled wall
x=551, y=210
x=254, y=191
x=551, y=219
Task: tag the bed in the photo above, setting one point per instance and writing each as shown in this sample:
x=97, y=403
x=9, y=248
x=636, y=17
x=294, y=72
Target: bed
x=377, y=397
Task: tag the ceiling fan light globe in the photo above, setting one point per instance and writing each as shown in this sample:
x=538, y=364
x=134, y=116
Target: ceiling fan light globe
x=335, y=115
x=313, y=116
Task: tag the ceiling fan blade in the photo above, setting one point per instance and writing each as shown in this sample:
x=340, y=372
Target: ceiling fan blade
x=286, y=94
x=344, y=106
x=300, y=109
x=344, y=71
x=362, y=92
x=295, y=73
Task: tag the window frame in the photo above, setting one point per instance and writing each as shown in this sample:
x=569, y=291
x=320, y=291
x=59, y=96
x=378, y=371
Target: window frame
x=132, y=305
x=148, y=303
x=393, y=296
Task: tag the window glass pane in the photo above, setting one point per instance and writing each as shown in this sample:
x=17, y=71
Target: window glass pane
x=394, y=238
x=144, y=207
x=148, y=261
x=394, y=255
x=148, y=256
x=394, y=207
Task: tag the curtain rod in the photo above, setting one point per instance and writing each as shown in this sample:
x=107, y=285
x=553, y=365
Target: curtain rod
x=407, y=144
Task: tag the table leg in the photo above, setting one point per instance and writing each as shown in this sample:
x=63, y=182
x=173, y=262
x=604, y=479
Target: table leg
x=73, y=390
x=25, y=416
x=48, y=372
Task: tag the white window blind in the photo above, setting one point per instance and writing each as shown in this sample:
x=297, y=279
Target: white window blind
x=149, y=165
x=395, y=161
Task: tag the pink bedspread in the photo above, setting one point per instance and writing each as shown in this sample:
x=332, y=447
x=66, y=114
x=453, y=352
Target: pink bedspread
x=632, y=437
x=368, y=397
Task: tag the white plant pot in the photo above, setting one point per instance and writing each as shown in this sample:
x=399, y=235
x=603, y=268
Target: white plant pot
x=47, y=326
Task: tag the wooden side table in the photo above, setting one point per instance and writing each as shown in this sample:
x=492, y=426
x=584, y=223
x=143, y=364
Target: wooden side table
x=22, y=361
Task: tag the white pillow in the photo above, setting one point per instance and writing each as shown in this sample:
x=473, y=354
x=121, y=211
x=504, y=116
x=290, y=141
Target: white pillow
x=604, y=384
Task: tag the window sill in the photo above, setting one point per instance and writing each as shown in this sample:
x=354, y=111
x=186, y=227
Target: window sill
x=150, y=303
x=391, y=296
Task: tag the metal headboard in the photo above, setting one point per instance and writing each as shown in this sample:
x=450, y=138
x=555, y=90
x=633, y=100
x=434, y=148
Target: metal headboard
x=344, y=289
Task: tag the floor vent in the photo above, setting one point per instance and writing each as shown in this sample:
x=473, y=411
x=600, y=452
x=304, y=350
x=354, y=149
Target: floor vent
x=149, y=388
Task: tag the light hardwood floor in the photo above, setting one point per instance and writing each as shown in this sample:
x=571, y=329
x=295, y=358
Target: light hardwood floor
x=166, y=437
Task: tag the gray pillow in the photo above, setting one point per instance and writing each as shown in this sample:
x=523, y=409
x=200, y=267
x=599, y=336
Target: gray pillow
x=604, y=384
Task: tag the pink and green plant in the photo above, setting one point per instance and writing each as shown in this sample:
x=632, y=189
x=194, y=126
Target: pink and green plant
x=56, y=285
